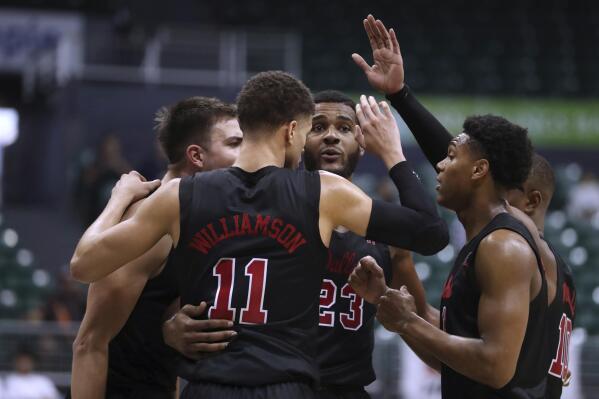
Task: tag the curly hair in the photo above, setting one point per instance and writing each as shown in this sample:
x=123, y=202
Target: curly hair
x=270, y=99
x=505, y=145
x=188, y=121
x=334, y=96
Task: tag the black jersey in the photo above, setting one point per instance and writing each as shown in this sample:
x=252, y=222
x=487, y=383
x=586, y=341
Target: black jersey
x=459, y=315
x=560, y=321
x=250, y=247
x=138, y=356
x=346, y=333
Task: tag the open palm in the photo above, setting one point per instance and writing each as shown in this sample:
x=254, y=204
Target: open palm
x=387, y=73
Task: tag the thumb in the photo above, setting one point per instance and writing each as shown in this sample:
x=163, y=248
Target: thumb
x=194, y=311
x=360, y=62
x=153, y=185
x=371, y=266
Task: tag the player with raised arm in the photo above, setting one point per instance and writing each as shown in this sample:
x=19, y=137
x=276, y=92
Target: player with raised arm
x=251, y=240
x=346, y=322
x=119, y=351
x=432, y=137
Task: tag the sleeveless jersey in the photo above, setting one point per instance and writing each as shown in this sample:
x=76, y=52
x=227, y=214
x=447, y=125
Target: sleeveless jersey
x=346, y=333
x=138, y=356
x=561, y=319
x=459, y=315
x=250, y=247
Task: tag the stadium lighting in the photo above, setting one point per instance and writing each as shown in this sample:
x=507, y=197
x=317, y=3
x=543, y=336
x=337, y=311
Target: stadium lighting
x=9, y=126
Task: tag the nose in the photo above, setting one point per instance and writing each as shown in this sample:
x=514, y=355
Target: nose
x=440, y=165
x=331, y=136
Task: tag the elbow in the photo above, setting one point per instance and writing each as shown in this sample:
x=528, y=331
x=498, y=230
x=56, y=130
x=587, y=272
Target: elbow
x=433, y=238
x=78, y=270
x=87, y=343
x=498, y=372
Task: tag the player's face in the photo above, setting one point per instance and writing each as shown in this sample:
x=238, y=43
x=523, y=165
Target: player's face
x=225, y=142
x=331, y=143
x=454, y=188
x=293, y=153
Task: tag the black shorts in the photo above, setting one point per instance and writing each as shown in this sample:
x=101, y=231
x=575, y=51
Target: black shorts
x=138, y=392
x=286, y=390
x=340, y=392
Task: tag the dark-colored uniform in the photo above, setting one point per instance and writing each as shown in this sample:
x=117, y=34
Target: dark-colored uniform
x=140, y=364
x=346, y=333
x=561, y=319
x=250, y=247
x=459, y=315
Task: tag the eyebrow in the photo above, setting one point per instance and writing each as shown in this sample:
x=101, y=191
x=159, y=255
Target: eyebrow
x=344, y=117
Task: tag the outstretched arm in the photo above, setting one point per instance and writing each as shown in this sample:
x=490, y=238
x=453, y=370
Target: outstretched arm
x=502, y=314
x=387, y=76
x=414, y=225
x=108, y=244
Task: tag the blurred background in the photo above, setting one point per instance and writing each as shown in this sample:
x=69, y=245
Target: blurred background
x=80, y=81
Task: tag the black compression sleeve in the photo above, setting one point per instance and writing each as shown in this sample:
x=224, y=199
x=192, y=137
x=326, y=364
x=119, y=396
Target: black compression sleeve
x=431, y=135
x=414, y=225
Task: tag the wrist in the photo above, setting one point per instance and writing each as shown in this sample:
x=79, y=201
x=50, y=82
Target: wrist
x=392, y=158
x=408, y=325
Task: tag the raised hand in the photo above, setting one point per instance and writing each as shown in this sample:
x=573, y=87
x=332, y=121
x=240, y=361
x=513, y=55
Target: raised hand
x=396, y=309
x=387, y=73
x=368, y=280
x=134, y=186
x=380, y=131
x=194, y=338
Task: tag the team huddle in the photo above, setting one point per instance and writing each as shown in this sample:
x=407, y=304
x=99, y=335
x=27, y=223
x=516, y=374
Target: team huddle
x=250, y=278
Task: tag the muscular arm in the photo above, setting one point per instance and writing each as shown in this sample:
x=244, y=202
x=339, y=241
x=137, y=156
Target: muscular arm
x=414, y=225
x=108, y=244
x=506, y=267
x=110, y=302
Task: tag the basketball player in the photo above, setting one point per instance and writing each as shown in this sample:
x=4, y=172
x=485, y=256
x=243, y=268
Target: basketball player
x=346, y=333
x=532, y=198
x=252, y=240
x=119, y=351
x=490, y=345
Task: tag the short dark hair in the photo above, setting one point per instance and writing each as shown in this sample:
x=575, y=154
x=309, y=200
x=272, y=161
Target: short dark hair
x=187, y=121
x=541, y=175
x=334, y=96
x=505, y=145
x=270, y=99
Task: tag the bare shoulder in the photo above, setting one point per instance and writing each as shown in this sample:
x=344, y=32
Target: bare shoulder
x=505, y=255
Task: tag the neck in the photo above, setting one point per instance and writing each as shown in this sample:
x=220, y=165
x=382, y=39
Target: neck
x=479, y=213
x=178, y=170
x=539, y=219
x=270, y=154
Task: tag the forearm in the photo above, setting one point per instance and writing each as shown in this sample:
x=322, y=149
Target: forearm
x=423, y=353
x=89, y=371
x=467, y=356
x=431, y=135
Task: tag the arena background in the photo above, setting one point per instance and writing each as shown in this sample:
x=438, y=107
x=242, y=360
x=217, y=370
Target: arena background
x=80, y=81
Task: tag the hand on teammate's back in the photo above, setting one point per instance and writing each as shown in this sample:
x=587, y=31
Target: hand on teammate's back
x=194, y=338
x=368, y=280
x=134, y=186
x=379, y=128
x=396, y=309
x=387, y=73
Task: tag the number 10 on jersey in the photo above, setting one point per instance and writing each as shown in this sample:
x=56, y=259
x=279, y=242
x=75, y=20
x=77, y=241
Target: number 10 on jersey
x=253, y=312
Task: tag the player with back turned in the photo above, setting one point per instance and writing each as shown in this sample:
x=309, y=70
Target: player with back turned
x=346, y=321
x=251, y=240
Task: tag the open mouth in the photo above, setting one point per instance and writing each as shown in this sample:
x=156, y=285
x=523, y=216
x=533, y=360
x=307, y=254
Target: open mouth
x=330, y=154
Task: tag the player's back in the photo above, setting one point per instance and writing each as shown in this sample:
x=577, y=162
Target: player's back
x=561, y=315
x=250, y=247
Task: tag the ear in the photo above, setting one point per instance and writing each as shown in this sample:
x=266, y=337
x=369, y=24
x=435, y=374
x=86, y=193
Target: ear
x=480, y=169
x=195, y=155
x=290, y=131
x=534, y=200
